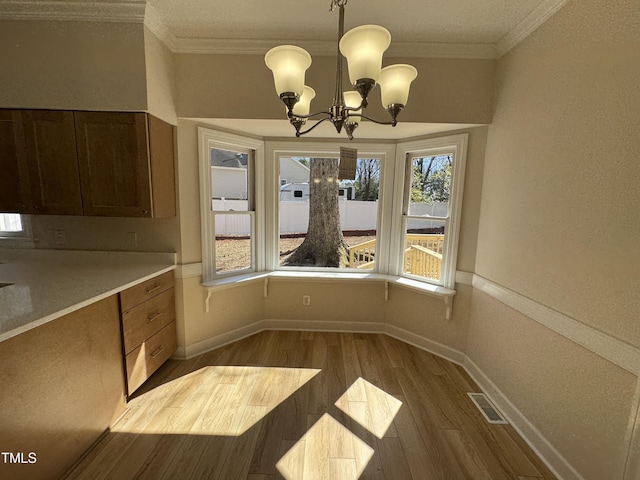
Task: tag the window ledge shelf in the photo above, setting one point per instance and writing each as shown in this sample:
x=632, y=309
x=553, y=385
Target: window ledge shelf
x=446, y=294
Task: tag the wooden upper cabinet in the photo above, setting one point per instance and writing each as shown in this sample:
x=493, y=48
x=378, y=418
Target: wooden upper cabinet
x=114, y=164
x=126, y=164
x=15, y=195
x=86, y=163
x=50, y=141
x=162, y=168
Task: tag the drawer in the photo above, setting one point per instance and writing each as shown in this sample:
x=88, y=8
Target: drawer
x=148, y=357
x=146, y=319
x=133, y=296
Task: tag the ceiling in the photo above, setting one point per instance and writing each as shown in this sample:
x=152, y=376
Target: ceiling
x=419, y=28
x=459, y=28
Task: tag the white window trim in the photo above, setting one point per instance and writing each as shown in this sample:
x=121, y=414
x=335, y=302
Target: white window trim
x=457, y=145
x=390, y=236
x=276, y=149
x=210, y=138
x=23, y=238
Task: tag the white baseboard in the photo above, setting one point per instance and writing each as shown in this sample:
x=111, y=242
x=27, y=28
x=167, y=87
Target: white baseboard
x=324, y=326
x=430, y=346
x=538, y=443
x=221, y=340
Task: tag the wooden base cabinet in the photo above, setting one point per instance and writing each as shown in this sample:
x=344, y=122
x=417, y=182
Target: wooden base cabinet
x=148, y=328
x=62, y=387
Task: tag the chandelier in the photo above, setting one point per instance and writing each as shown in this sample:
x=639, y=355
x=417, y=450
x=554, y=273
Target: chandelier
x=363, y=48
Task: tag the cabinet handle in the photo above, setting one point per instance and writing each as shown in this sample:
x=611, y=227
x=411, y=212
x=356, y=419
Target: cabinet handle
x=153, y=316
x=153, y=289
x=157, y=351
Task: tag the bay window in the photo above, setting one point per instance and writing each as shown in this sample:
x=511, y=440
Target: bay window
x=399, y=214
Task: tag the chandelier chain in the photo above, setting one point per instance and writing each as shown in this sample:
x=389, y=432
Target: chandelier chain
x=337, y=3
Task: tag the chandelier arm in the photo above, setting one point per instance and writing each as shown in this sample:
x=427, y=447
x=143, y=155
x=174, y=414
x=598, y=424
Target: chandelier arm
x=312, y=115
x=299, y=133
x=393, y=122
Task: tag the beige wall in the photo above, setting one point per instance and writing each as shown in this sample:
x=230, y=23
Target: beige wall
x=105, y=233
x=559, y=219
x=424, y=315
x=160, y=79
x=72, y=65
x=231, y=86
x=575, y=398
x=189, y=192
x=559, y=225
x=338, y=301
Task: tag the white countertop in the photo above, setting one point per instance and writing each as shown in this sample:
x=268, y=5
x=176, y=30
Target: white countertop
x=47, y=284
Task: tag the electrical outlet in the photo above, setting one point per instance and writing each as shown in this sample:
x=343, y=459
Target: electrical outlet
x=132, y=239
x=306, y=300
x=60, y=237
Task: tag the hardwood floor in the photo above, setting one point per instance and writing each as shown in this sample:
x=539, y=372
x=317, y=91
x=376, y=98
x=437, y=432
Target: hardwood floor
x=302, y=405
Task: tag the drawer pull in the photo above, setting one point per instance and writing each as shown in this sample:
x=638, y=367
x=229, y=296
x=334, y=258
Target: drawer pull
x=153, y=316
x=157, y=351
x=153, y=289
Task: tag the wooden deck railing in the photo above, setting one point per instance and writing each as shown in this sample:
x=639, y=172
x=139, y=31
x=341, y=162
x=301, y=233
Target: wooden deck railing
x=363, y=255
x=422, y=262
x=423, y=255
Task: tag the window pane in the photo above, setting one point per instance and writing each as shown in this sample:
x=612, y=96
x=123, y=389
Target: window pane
x=424, y=248
x=233, y=242
x=230, y=182
x=349, y=209
x=430, y=185
x=10, y=222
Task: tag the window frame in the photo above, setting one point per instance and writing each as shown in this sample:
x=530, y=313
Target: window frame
x=22, y=238
x=277, y=149
x=210, y=138
x=405, y=152
x=390, y=227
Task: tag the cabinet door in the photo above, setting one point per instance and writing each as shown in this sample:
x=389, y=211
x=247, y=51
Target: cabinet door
x=53, y=163
x=14, y=177
x=113, y=157
x=163, y=188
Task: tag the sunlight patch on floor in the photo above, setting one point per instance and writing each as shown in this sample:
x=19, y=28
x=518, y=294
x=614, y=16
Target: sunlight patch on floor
x=373, y=408
x=327, y=451
x=223, y=400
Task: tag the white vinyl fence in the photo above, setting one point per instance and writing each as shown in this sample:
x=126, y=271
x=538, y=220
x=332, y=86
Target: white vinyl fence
x=294, y=216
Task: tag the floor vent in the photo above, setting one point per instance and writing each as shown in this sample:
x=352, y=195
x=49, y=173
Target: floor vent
x=490, y=413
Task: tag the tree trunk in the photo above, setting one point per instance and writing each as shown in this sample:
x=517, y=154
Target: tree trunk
x=324, y=245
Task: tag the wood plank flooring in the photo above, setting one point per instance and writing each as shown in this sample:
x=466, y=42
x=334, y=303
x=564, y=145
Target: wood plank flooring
x=302, y=405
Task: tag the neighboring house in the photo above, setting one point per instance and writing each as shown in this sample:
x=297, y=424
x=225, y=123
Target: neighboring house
x=292, y=171
x=228, y=175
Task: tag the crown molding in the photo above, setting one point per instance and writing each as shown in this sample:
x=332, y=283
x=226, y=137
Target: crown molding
x=222, y=46
x=74, y=11
x=134, y=11
x=153, y=21
x=528, y=25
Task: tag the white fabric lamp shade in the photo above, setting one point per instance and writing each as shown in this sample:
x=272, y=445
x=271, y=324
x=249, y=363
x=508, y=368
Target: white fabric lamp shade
x=353, y=100
x=303, y=106
x=288, y=64
x=363, y=48
x=395, y=81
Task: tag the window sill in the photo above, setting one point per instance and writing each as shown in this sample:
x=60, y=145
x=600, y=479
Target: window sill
x=446, y=294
